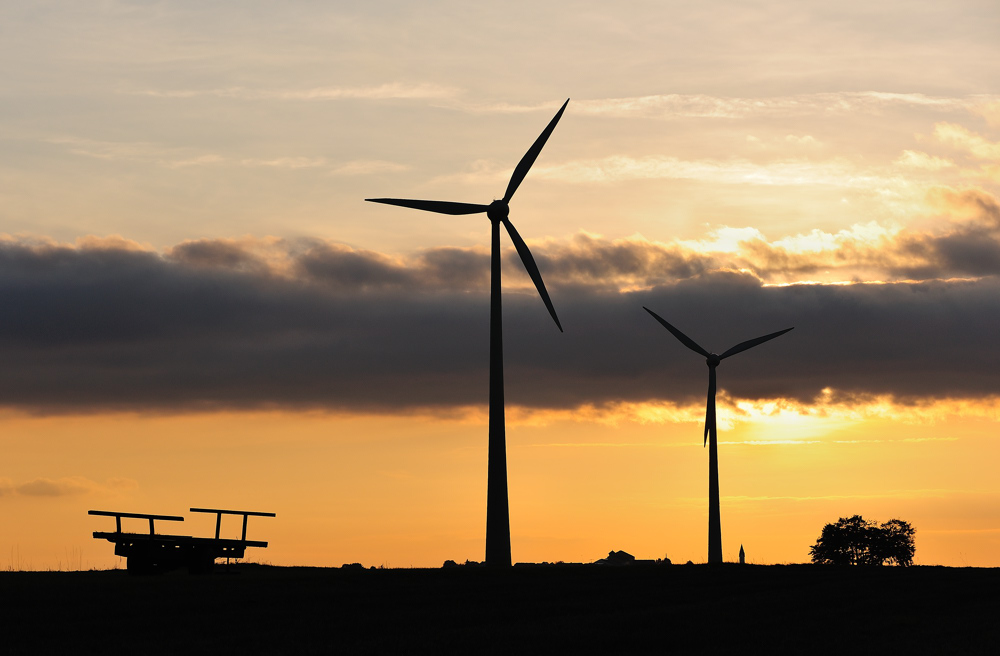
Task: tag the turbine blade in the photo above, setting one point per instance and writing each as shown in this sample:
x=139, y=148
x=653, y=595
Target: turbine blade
x=684, y=339
x=439, y=206
x=529, y=158
x=710, y=406
x=750, y=343
x=532, y=268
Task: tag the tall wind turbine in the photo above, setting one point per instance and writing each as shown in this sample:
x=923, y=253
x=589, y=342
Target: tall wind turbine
x=713, y=360
x=497, y=508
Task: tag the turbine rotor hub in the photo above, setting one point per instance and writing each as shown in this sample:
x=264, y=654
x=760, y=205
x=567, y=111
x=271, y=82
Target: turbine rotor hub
x=498, y=211
x=713, y=360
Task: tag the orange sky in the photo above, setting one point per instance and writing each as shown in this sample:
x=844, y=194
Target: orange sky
x=409, y=491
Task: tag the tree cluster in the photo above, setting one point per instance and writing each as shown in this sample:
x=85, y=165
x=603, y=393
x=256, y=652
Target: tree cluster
x=857, y=541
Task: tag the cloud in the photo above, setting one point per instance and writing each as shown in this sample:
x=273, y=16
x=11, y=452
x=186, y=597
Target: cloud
x=617, y=168
x=137, y=151
x=392, y=90
x=313, y=324
x=654, y=106
x=968, y=245
x=965, y=140
x=387, y=91
x=888, y=494
x=900, y=179
x=965, y=246
x=288, y=162
x=248, y=255
x=802, y=140
x=338, y=267
x=179, y=157
x=672, y=106
x=200, y=160
x=990, y=110
x=918, y=160
x=64, y=487
x=680, y=106
x=367, y=167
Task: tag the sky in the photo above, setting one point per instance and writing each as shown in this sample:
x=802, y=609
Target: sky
x=200, y=310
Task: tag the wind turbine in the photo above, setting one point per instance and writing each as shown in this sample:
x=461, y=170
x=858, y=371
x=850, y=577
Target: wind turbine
x=713, y=360
x=497, y=508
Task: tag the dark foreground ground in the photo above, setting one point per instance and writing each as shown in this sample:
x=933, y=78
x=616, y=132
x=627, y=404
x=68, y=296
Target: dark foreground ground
x=797, y=609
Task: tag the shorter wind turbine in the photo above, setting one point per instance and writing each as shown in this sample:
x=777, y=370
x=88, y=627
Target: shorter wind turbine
x=713, y=360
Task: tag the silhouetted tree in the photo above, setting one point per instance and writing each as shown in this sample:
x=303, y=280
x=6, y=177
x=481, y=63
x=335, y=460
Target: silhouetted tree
x=857, y=541
x=895, y=543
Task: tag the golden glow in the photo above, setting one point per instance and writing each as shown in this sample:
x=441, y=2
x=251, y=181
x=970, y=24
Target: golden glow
x=824, y=410
x=410, y=491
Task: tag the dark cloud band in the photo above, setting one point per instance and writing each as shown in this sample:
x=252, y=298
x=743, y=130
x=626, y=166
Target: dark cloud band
x=220, y=325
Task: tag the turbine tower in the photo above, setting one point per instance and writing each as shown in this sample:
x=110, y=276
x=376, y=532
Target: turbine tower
x=713, y=360
x=497, y=507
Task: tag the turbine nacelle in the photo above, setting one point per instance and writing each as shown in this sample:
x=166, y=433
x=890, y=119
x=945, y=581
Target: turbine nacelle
x=498, y=211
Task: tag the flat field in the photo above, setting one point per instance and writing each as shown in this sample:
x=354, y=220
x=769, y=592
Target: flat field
x=675, y=609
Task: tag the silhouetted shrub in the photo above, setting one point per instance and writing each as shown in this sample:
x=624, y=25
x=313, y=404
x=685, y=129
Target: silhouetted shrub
x=857, y=541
